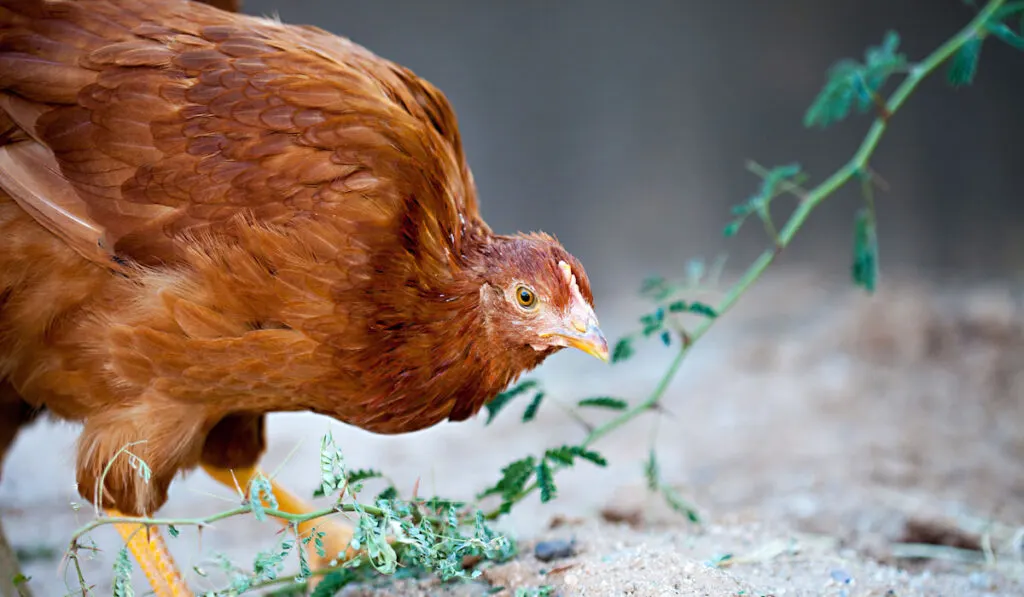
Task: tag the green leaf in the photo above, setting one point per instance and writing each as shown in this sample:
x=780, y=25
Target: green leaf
x=655, y=288
x=623, y=350
x=332, y=466
x=362, y=475
x=388, y=494
x=604, y=402
x=835, y=101
x=680, y=504
x=260, y=491
x=531, y=409
x=677, y=307
x=771, y=183
x=562, y=455
x=1006, y=34
x=732, y=228
x=546, y=482
x=1007, y=10
x=566, y=455
x=651, y=472
x=19, y=579
x=304, y=570
x=504, y=398
x=145, y=473
x=852, y=85
x=865, y=250
x=123, y=574
x=173, y=530
x=513, y=479
x=652, y=322
x=964, y=63
x=880, y=62
x=591, y=456
x=334, y=582
x=776, y=177
x=702, y=309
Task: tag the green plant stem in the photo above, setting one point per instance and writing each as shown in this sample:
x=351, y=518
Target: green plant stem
x=810, y=201
x=209, y=520
x=807, y=204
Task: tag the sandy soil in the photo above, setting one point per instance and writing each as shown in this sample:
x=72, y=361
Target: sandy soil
x=819, y=431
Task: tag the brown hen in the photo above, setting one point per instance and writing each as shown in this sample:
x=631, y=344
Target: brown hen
x=206, y=217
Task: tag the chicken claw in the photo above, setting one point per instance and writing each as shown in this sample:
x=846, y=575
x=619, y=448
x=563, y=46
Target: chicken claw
x=150, y=551
x=337, y=537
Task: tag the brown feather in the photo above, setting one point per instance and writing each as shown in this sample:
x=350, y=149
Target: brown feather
x=206, y=217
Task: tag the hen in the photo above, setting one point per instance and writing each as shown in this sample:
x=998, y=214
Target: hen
x=206, y=217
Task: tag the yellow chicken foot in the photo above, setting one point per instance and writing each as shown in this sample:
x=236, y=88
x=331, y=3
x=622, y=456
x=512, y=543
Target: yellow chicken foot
x=337, y=536
x=150, y=551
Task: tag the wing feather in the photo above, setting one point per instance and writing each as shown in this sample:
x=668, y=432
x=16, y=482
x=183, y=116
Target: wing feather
x=151, y=121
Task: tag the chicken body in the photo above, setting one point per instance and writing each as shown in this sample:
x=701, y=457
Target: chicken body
x=206, y=217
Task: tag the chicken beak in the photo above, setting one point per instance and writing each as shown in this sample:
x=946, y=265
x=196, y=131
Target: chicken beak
x=582, y=333
x=590, y=340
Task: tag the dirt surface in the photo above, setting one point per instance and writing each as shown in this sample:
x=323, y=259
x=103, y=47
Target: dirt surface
x=823, y=434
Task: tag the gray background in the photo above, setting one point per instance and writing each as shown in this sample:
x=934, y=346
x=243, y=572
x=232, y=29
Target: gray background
x=624, y=127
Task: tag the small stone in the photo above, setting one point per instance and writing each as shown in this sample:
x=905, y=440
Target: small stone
x=841, y=576
x=980, y=580
x=555, y=549
x=572, y=580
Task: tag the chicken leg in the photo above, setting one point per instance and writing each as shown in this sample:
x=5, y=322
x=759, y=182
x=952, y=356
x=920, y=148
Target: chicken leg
x=337, y=536
x=150, y=551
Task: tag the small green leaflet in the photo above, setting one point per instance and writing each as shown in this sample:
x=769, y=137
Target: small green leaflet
x=140, y=465
x=651, y=471
x=504, y=398
x=771, y=182
x=362, y=475
x=851, y=84
x=123, y=574
x=334, y=582
x=604, y=402
x=1006, y=34
x=565, y=455
x=623, y=350
x=332, y=466
x=964, y=63
x=652, y=322
x=702, y=309
x=531, y=409
x=388, y=494
x=304, y=570
x=865, y=251
x=546, y=482
x=680, y=505
x=513, y=479
x=260, y=491
x=652, y=474
x=655, y=288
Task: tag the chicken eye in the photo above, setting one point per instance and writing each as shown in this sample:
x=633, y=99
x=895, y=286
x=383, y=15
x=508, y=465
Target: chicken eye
x=526, y=297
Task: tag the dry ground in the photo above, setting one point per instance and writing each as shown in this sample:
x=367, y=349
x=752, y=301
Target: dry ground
x=818, y=430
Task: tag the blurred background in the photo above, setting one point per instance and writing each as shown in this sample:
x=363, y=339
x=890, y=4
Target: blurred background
x=624, y=128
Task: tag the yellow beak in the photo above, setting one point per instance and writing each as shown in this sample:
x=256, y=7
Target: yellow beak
x=584, y=336
x=591, y=341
